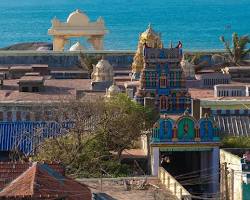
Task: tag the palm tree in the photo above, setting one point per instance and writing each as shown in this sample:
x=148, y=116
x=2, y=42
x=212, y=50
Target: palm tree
x=239, y=48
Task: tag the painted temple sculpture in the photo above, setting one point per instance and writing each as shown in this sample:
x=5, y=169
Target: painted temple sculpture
x=162, y=80
x=151, y=39
x=77, y=25
x=185, y=129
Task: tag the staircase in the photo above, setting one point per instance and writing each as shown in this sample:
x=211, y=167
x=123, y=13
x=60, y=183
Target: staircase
x=172, y=185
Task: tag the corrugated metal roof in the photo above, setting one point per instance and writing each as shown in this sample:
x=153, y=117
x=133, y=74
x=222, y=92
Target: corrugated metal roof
x=24, y=136
x=234, y=125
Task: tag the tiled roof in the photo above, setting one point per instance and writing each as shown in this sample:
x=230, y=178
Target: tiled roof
x=234, y=125
x=11, y=170
x=40, y=181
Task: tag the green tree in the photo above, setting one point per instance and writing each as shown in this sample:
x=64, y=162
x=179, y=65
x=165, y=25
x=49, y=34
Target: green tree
x=123, y=122
x=87, y=62
x=236, y=142
x=238, y=50
x=94, y=149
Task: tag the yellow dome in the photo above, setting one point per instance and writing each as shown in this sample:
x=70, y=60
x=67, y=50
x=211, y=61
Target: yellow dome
x=153, y=40
x=150, y=35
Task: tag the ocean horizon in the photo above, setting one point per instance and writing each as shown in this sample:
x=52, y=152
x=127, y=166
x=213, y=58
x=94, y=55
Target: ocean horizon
x=197, y=23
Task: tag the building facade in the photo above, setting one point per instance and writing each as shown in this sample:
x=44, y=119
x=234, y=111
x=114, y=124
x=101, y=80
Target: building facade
x=231, y=90
x=162, y=80
x=174, y=143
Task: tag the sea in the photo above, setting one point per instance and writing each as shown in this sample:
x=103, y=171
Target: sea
x=197, y=23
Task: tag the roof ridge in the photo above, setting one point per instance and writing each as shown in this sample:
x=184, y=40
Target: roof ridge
x=33, y=178
x=17, y=179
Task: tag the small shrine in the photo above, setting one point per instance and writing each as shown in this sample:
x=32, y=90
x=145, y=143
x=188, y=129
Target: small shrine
x=77, y=25
x=162, y=81
x=149, y=38
x=112, y=91
x=102, y=75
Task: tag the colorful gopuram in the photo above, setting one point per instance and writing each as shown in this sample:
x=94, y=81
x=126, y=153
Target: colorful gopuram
x=162, y=80
x=149, y=38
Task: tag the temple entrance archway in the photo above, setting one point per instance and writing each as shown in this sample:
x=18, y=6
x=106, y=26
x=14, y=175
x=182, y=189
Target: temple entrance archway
x=78, y=25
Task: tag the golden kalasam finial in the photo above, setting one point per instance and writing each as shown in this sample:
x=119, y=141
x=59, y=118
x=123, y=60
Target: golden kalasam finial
x=152, y=40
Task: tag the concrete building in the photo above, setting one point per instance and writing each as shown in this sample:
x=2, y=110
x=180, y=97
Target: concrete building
x=208, y=80
x=235, y=181
x=231, y=90
x=238, y=73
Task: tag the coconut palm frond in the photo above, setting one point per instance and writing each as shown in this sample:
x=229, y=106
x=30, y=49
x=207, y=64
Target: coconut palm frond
x=239, y=48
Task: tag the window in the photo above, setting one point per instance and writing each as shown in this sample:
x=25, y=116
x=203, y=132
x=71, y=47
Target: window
x=9, y=116
x=153, y=78
x=1, y=116
x=163, y=80
x=147, y=80
x=18, y=116
x=35, y=89
x=163, y=102
x=27, y=116
x=24, y=89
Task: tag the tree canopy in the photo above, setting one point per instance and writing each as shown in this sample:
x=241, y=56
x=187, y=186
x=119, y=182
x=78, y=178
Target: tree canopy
x=95, y=148
x=238, y=50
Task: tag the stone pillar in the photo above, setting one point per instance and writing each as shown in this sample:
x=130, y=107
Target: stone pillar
x=14, y=115
x=97, y=42
x=5, y=116
x=58, y=43
x=155, y=160
x=215, y=170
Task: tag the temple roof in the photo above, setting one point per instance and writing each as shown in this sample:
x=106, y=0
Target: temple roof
x=40, y=181
x=149, y=34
